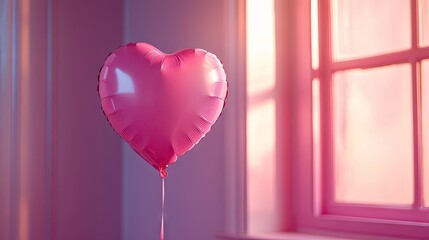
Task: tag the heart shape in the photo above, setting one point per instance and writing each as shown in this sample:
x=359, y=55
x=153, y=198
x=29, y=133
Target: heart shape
x=161, y=104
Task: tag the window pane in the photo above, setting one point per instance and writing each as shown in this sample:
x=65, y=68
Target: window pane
x=424, y=22
x=425, y=134
x=363, y=28
x=373, y=140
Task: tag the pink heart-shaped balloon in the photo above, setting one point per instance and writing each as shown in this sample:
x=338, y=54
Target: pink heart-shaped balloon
x=161, y=104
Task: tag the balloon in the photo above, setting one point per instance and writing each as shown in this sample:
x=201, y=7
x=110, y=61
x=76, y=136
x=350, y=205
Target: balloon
x=161, y=104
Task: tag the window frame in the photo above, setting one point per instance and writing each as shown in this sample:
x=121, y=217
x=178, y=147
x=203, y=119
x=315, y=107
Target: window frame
x=354, y=218
x=299, y=192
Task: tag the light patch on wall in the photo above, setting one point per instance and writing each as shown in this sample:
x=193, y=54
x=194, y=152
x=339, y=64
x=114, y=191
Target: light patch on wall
x=261, y=105
x=25, y=125
x=260, y=46
x=316, y=144
x=314, y=34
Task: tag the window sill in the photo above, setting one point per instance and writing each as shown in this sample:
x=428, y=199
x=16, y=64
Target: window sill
x=279, y=236
x=303, y=236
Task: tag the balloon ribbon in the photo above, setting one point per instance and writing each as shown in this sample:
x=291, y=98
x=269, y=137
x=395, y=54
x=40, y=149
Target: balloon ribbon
x=163, y=175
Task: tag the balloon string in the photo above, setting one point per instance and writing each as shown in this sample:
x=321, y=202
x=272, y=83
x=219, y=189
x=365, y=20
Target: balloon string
x=162, y=209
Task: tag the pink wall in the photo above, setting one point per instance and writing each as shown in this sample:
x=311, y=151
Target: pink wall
x=87, y=160
x=65, y=174
x=195, y=185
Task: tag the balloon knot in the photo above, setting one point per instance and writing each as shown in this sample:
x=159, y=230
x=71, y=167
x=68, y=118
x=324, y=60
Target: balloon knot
x=163, y=172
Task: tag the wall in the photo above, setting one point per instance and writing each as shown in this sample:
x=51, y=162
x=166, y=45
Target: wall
x=87, y=177
x=195, y=185
x=60, y=161
x=5, y=117
x=65, y=174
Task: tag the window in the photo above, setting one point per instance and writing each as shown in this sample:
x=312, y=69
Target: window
x=352, y=160
x=370, y=61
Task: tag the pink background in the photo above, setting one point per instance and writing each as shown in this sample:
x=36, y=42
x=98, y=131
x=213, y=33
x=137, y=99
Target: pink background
x=73, y=177
x=65, y=174
x=194, y=187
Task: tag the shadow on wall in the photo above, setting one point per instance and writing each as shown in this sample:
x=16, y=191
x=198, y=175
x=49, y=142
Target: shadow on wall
x=195, y=185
